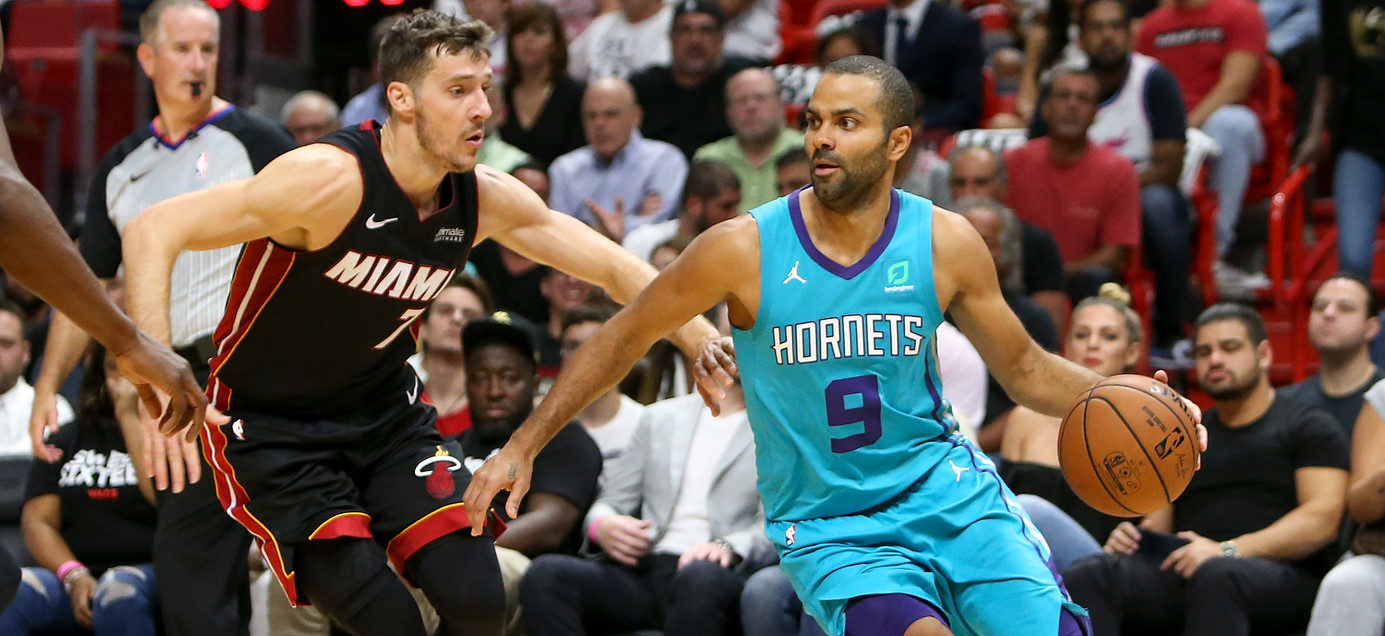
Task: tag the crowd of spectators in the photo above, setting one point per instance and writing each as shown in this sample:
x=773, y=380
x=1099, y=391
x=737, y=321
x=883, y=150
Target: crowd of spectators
x=652, y=121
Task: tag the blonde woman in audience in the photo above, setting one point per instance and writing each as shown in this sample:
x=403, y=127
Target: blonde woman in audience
x=1105, y=336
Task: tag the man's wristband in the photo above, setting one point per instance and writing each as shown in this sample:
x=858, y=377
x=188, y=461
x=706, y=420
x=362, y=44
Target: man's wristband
x=67, y=567
x=591, y=529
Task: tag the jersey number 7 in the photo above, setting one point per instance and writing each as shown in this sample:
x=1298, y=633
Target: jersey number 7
x=851, y=401
x=407, y=318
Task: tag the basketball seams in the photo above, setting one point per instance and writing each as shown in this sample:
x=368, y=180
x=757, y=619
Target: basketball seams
x=1138, y=442
x=1187, y=421
x=1087, y=445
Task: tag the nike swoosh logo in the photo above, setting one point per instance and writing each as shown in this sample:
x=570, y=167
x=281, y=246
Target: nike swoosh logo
x=137, y=177
x=412, y=395
x=373, y=224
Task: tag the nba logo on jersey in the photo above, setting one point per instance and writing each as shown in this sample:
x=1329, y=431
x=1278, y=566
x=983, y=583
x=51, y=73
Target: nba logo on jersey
x=897, y=277
x=200, y=168
x=791, y=535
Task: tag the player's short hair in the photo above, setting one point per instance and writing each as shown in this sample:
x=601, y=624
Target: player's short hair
x=706, y=179
x=1372, y=298
x=1116, y=297
x=149, y=30
x=584, y=313
x=896, y=99
x=793, y=157
x=411, y=43
x=377, y=34
x=1244, y=314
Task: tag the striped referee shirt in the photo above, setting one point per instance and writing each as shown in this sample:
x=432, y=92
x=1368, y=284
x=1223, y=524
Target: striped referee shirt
x=144, y=169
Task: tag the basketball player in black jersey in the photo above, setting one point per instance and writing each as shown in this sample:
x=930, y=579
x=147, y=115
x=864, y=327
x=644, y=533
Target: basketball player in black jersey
x=331, y=460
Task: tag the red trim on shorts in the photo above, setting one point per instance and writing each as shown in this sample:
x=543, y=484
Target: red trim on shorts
x=233, y=499
x=440, y=522
x=259, y=272
x=346, y=524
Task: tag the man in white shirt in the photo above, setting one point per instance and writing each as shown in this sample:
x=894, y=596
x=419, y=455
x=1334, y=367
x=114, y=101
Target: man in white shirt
x=690, y=477
x=612, y=418
x=622, y=42
x=16, y=396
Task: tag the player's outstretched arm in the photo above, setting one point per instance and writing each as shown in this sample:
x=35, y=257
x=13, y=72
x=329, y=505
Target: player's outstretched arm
x=1042, y=381
x=516, y=217
x=721, y=263
x=289, y=201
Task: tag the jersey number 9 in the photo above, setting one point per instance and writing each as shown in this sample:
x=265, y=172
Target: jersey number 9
x=851, y=401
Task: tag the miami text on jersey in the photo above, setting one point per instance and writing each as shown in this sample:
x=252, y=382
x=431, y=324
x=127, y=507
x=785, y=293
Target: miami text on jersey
x=384, y=276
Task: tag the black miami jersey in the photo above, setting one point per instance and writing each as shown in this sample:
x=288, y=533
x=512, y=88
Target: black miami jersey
x=315, y=333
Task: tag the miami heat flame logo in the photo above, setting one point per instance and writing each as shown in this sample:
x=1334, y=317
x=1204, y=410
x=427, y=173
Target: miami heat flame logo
x=437, y=472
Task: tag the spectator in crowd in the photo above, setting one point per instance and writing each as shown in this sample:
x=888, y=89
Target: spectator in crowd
x=712, y=194
x=978, y=171
x=792, y=171
x=836, y=38
x=1050, y=41
x=1256, y=522
x=440, y=364
x=1351, y=599
x=369, y=104
x=1086, y=195
x=535, y=176
x=920, y=164
x=501, y=387
x=199, y=551
x=496, y=152
x=611, y=419
x=1343, y=322
x=89, y=522
x=619, y=43
x=665, y=253
x=564, y=293
x=938, y=48
x=619, y=180
x=684, y=101
x=1293, y=30
x=1214, y=48
x=756, y=114
x=309, y=115
x=1105, y=336
x=540, y=97
x=752, y=29
x=1349, y=101
x=681, y=526
x=495, y=13
x=513, y=280
x=1000, y=230
x=16, y=396
x=1141, y=117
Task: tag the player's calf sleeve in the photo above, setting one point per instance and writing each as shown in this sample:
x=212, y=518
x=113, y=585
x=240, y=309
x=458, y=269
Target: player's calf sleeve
x=347, y=580
x=461, y=578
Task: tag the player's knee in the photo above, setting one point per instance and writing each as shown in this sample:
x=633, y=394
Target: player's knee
x=461, y=578
x=337, y=573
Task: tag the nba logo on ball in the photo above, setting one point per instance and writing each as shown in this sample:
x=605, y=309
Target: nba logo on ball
x=437, y=473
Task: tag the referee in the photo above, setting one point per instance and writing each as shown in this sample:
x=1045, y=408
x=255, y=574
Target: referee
x=198, y=140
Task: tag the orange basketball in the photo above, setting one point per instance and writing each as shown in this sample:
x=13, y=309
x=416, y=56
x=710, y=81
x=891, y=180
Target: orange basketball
x=1128, y=446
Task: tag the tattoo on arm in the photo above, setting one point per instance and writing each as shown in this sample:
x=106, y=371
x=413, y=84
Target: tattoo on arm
x=514, y=467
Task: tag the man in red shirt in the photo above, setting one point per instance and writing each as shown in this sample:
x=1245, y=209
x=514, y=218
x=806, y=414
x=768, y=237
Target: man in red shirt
x=1214, y=48
x=1087, y=196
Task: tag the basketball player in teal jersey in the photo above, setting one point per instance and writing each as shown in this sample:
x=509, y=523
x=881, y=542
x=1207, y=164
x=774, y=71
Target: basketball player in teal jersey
x=887, y=521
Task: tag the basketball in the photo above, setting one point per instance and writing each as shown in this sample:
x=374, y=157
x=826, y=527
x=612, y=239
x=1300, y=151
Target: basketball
x=1128, y=446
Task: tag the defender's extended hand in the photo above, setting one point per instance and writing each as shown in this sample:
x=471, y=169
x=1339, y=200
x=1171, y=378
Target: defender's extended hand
x=716, y=370
x=153, y=368
x=509, y=470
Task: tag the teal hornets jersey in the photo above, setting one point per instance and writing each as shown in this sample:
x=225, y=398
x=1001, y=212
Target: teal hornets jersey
x=840, y=369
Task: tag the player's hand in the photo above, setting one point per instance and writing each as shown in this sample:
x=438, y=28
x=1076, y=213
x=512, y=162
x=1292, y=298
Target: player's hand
x=83, y=589
x=1124, y=539
x=1196, y=411
x=43, y=421
x=1187, y=559
x=715, y=369
x=174, y=461
x=624, y=538
x=709, y=551
x=609, y=222
x=154, y=369
x=509, y=470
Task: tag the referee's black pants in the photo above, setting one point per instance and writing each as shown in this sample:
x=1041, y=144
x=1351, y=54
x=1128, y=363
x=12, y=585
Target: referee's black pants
x=201, y=556
x=1226, y=596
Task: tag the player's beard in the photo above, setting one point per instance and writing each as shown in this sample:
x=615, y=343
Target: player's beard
x=852, y=188
x=434, y=147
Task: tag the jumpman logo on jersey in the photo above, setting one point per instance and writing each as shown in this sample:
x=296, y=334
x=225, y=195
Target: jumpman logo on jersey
x=959, y=469
x=793, y=275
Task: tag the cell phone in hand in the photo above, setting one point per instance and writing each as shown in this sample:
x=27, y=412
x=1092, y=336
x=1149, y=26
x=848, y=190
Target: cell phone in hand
x=1158, y=545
